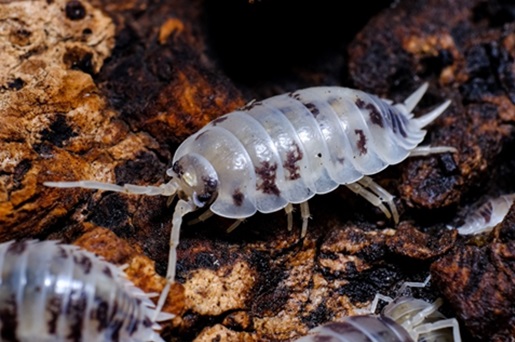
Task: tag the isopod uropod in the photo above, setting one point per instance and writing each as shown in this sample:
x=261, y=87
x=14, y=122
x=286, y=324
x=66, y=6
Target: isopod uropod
x=56, y=292
x=284, y=150
x=404, y=319
x=487, y=216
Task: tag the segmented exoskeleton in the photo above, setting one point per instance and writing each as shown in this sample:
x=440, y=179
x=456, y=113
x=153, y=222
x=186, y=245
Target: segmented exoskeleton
x=56, y=292
x=284, y=150
x=487, y=216
x=404, y=319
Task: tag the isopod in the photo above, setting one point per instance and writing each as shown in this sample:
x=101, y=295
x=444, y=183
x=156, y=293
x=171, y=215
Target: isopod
x=487, y=216
x=284, y=150
x=404, y=319
x=56, y=292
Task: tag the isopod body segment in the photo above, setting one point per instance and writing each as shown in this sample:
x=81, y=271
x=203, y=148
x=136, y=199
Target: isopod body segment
x=56, y=292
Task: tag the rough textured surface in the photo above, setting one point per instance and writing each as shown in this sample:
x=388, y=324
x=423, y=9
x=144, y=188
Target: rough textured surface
x=106, y=90
x=479, y=282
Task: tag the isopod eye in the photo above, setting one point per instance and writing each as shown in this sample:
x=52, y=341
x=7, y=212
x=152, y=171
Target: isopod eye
x=207, y=193
x=198, y=178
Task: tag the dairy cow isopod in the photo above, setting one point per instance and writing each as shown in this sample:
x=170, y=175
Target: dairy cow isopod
x=56, y=292
x=286, y=149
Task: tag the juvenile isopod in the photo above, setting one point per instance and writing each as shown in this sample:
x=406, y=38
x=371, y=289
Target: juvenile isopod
x=284, y=150
x=487, y=216
x=56, y=292
x=404, y=319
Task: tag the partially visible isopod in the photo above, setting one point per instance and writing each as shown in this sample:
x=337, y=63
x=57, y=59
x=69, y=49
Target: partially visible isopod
x=404, y=319
x=286, y=149
x=55, y=292
x=487, y=216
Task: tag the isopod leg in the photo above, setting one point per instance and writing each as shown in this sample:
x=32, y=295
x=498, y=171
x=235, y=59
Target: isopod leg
x=304, y=212
x=447, y=323
x=234, y=225
x=181, y=209
x=375, y=301
x=383, y=195
x=369, y=196
x=289, y=216
x=428, y=150
x=201, y=218
x=414, y=284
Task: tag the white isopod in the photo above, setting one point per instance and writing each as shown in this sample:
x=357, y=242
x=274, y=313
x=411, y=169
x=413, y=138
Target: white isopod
x=404, y=319
x=487, y=216
x=56, y=292
x=284, y=150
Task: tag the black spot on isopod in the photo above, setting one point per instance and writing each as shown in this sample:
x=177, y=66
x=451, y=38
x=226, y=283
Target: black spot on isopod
x=375, y=116
x=147, y=322
x=362, y=141
x=219, y=120
x=107, y=272
x=486, y=211
x=54, y=309
x=8, y=315
x=238, y=197
x=100, y=313
x=200, y=135
x=397, y=123
x=292, y=157
x=319, y=155
x=75, y=310
x=18, y=247
x=312, y=108
x=132, y=325
x=75, y=10
x=84, y=262
x=267, y=174
x=210, y=188
x=62, y=253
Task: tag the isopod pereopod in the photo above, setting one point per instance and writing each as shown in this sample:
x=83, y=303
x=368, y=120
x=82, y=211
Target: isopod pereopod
x=284, y=150
x=56, y=292
x=404, y=319
x=487, y=216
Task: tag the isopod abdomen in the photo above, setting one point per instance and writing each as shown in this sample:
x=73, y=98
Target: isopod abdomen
x=57, y=292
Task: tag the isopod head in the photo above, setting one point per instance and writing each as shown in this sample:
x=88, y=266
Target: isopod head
x=196, y=179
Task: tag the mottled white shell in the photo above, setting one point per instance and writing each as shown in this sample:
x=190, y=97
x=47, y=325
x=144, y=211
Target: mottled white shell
x=289, y=147
x=56, y=292
x=487, y=216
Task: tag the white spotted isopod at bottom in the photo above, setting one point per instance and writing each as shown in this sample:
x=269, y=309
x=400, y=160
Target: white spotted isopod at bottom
x=403, y=319
x=281, y=151
x=53, y=292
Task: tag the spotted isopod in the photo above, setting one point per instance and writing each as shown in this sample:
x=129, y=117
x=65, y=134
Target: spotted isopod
x=56, y=292
x=404, y=319
x=283, y=150
x=487, y=216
